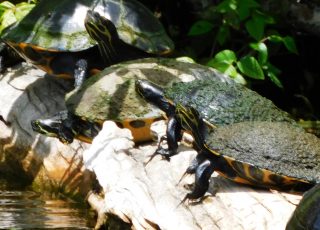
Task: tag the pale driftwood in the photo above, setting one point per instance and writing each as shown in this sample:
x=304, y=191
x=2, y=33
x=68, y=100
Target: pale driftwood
x=25, y=94
x=149, y=195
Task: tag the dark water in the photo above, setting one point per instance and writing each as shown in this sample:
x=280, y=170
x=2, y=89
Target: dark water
x=22, y=208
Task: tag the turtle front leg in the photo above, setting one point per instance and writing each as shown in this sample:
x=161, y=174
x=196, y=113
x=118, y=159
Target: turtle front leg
x=173, y=136
x=80, y=72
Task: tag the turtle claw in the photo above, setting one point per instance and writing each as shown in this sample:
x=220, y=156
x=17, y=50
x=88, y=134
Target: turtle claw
x=183, y=176
x=193, y=166
x=183, y=200
x=164, y=152
x=191, y=200
x=151, y=158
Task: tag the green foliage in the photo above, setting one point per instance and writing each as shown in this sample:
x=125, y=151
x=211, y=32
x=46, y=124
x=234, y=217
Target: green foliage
x=200, y=27
x=10, y=13
x=244, y=21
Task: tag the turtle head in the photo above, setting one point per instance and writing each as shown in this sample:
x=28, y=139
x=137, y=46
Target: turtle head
x=191, y=121
x=54, y=127
x=99, y=27
x=103, y=31
x=154, y=94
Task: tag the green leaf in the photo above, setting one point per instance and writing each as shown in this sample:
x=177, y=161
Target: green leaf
x=272, y=68
x=244, y=8
x=250, y=67
x=13, y=13
x=255, y=27
x=274, y=79
x=6, y=5
x=239, y=79
x=275, y=38
x=226, y=5
x=223, y=34
x=290, y=44
x=221, y=66
x=272, y=72
x=224, y=67
x=227, y=56
x=200, y=27
x=8, y=18
x=268, y=19
x=262, y=50
x=231, y=71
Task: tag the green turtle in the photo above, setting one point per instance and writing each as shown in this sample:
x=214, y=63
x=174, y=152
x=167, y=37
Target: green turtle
x=219, y=103
x=111, y=95
x=69, y=40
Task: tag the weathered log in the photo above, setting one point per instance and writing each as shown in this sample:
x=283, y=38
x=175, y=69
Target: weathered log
x=149, y=196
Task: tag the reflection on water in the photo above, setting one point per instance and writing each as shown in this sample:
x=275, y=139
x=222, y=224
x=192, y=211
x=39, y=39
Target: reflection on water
x=24, y=209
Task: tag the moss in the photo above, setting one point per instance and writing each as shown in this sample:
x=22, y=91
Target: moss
x=222, y=103
x=278, y=146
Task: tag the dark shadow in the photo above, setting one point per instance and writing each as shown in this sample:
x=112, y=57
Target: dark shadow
x=42, y=98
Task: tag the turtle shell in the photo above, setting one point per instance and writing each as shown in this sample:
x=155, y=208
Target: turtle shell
x=60, y=27
x=307, y=213
x=222, y=103
x=269, y=154
x=111, y=95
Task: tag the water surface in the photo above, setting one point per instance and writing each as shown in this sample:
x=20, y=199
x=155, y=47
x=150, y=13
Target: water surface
x=22, y=208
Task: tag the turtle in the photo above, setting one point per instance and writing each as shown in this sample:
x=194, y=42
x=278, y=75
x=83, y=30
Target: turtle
x=267, y=154
x=69, y=40
x=111, y=95
x=220, y=103
x=307, y=213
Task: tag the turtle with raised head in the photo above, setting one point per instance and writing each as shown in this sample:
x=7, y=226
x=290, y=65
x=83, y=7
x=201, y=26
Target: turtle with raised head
x=111, y=95
x=219, y=103
x=67, y=39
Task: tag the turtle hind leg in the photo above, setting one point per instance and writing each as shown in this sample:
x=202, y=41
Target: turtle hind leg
x=203, y=173
x=200, y=158
x=80, y=72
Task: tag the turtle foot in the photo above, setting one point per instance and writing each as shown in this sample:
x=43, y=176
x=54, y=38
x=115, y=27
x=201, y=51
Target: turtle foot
x=166, y=153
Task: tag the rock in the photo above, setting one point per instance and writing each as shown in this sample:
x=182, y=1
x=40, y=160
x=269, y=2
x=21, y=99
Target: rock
x=298, y=15
x=27, y=93
x=149, y=196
